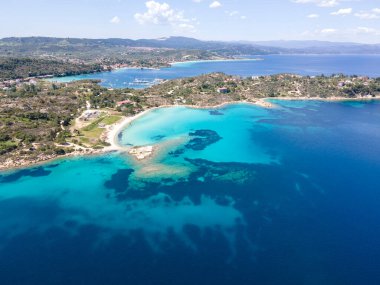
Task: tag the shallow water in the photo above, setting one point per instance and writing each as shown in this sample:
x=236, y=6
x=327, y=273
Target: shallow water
x=233, y=124
x=268, y=65
x=288, y=195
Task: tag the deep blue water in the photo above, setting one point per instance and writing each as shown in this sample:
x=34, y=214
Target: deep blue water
x=298, y=203
x=367, y=65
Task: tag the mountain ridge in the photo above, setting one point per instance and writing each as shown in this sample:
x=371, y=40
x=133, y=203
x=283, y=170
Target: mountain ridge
x=237, y=47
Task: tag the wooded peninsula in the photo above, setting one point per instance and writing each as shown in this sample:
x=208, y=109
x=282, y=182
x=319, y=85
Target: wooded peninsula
x=41, y=120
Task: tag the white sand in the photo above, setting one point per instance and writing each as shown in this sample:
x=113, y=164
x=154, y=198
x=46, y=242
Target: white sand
x=114, y=130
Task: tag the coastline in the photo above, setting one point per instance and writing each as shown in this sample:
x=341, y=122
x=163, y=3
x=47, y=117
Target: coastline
x=214, y=60
x=60, y=79
x=112, y=132
x=51, y=159
x=330, y=99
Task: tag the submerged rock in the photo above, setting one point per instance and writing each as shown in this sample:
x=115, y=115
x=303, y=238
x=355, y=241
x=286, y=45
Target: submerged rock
x=33, y=172
x=177, y=153
x=202, y=139
x=158, y=138
x=119, y=181
x=215, y=113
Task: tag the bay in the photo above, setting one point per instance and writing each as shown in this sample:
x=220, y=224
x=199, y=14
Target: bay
x=288, y=195
x=363, y=65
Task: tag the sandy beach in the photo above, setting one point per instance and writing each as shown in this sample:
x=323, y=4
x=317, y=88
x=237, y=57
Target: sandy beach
x=111, y=133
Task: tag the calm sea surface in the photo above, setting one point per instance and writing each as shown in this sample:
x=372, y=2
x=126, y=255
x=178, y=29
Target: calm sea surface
x=240, y=195
x=266, y=65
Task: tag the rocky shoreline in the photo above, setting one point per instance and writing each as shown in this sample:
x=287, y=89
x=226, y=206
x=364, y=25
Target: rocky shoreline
x=24, y=162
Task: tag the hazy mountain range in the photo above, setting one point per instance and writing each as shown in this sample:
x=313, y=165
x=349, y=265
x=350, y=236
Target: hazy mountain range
x=48, y=44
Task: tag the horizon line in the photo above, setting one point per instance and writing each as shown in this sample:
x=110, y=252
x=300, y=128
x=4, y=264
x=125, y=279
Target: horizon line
x=203, y=40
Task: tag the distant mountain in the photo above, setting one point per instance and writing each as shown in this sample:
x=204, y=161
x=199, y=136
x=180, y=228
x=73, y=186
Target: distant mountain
x=71, y=44
x=67, y=45
x=190, y=43
x=302, y=44
x=176, y=42
x=320, y=47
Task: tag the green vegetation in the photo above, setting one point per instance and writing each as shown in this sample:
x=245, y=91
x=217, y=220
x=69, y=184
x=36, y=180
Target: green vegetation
x=14, y=68
x=203, y=90
x=32, y=120
x=110, y=120
x=37, y=121
x=30, y=57
x=117, y=50
x=90, y=135
x=7, y=146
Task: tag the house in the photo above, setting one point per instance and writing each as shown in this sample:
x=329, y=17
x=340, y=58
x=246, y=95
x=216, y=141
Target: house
x=223, y=90
x=341, y=84
x=125, y=102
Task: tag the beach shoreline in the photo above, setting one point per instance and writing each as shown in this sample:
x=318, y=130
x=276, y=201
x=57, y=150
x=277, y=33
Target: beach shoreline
x=112, y=132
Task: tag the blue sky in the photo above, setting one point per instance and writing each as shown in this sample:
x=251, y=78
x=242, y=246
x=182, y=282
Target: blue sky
x=252, y=20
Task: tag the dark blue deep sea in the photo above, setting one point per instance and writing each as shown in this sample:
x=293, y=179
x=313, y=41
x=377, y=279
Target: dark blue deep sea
x=241, y=195
x=367, y=65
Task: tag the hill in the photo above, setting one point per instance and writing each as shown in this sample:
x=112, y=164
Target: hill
x=34, y=46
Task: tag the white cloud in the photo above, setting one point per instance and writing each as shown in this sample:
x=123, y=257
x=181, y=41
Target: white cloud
x=186, y=27
x=313, y=16
x=320, y=33
x=342, y=12
x=236, y=14
x=328, y=31
x=233, y=13
x=366, y=15
x=115, y=20
x=197, y=1
x=320, y=3
x=162, y=14
x=366, y=31
x=369, y=15
x=215, y=4
x=343, y=34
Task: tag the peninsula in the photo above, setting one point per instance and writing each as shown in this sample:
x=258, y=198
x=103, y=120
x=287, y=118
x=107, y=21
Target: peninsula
x=41, y=120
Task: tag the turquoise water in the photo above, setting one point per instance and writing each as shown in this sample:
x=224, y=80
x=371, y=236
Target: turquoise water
x=267, y=65
x=237, y=195
x=166, y=124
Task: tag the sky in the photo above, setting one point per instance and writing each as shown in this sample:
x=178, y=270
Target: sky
x=228, y=20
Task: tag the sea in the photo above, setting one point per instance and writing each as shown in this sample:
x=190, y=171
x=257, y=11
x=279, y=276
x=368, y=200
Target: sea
x=312, y=65
x=234, y=195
